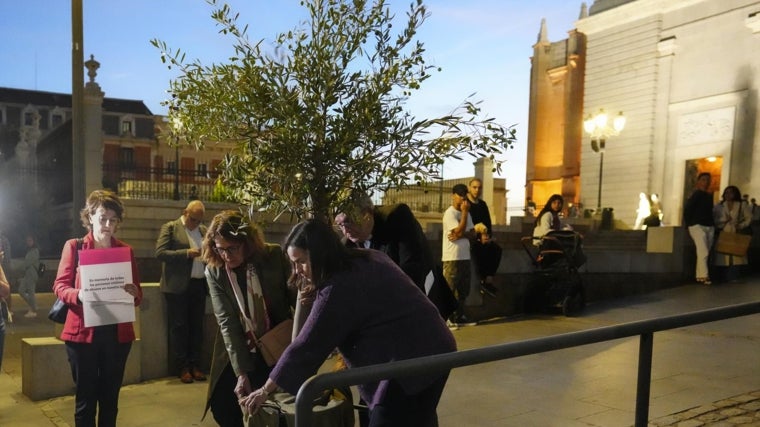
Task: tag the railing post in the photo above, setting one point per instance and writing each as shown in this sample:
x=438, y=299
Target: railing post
x=644, y=379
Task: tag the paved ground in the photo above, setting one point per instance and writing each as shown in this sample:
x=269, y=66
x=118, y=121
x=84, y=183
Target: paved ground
x=705, y=375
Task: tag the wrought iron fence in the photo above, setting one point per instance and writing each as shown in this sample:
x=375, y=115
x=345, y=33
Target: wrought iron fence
x=163, y=183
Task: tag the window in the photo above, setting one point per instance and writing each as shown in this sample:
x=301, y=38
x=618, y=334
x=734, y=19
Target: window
x=56, y=117
x=202, y=169
x=29, y=118
x=126, y=127
x=127, y=158
x=171, y=167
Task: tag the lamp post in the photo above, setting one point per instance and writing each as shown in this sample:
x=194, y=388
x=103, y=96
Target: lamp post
x=176, y=124
x=598, y=128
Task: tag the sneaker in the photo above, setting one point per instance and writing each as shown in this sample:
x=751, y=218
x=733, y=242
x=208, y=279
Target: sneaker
x=452, y=326
x=30, y=315
x=488, y=288
x=465, y=321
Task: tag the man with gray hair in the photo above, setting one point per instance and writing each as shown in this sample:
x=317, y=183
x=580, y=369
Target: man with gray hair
x=183, y=284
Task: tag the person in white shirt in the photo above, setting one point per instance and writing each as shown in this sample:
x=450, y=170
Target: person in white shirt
x=455, y=253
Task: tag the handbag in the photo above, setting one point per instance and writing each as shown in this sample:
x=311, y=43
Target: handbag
x=732, y=243
x=331, y=409
x=269, y=415
x=274, y=342
x=60, y=309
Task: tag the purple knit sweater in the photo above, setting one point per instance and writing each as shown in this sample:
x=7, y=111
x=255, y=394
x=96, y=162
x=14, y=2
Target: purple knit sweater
x=373, y=313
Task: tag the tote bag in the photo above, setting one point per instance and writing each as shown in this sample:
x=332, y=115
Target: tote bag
x=732, y=243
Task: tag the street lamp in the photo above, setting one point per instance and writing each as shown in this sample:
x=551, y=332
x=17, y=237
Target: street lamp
x=598, y=128
x=176, y=124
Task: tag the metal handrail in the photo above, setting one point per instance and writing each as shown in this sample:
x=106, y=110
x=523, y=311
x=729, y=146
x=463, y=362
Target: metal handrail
x=444, y=362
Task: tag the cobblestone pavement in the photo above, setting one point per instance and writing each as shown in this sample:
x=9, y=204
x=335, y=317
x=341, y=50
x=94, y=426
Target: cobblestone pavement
x=741, y=410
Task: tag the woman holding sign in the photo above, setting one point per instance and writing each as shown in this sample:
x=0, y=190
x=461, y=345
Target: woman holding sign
x=97, y=354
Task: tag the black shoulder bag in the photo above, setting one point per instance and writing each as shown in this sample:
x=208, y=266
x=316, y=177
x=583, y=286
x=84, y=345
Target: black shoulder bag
x=60, y=309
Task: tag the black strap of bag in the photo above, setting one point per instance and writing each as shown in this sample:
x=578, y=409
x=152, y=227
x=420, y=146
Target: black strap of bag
x=60, y=310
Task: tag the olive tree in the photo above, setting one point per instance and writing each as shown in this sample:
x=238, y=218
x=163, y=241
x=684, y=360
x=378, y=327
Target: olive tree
x=321, y=108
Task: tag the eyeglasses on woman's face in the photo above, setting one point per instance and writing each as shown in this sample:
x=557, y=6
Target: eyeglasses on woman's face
x=228, y=251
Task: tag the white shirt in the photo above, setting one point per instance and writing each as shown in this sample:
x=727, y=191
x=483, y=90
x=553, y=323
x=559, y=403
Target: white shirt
x=195, y=239
x=459, y=249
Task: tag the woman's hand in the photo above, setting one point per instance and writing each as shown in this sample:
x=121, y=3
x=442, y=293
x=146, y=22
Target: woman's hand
x=131, y=289
x=243, y=387
x=250, y=404
x=307, y=294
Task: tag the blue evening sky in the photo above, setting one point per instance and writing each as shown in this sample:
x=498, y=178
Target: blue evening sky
x=483, y=47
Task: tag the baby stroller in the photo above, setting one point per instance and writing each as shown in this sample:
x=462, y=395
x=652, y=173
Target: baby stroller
x=556, y=282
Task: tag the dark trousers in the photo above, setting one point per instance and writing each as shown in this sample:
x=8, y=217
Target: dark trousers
x=223, y=402
x=399, y=409
x=485, y=258
x=185, y=314
x=98, y=371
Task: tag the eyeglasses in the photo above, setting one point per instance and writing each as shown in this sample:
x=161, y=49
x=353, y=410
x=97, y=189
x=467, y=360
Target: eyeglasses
x=344, y=224
x=108, y=221
x=230, y=250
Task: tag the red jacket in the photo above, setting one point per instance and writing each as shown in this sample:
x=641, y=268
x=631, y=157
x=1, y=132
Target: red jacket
x=68, y=291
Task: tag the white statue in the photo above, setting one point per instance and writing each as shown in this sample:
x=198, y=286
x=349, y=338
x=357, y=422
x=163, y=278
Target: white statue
x=642, y=212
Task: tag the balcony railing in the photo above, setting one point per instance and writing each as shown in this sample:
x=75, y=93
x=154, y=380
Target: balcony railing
x=162, y=183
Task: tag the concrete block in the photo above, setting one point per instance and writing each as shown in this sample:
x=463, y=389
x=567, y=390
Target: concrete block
x=660, y=239
x=153, y=333
x=133, y=370
x=45, y=371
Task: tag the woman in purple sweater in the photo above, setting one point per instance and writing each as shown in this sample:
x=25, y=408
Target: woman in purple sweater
x=369, y=309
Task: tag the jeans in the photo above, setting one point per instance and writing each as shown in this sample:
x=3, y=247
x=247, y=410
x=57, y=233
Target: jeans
x=27, y=289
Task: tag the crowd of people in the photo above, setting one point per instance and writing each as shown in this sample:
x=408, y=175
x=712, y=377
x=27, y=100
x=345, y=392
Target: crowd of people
x=365, y=287
x=369, y=306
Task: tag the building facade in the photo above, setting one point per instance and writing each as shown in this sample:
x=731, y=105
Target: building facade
x=682, y=71
x=555, y=117
x=127, y=148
